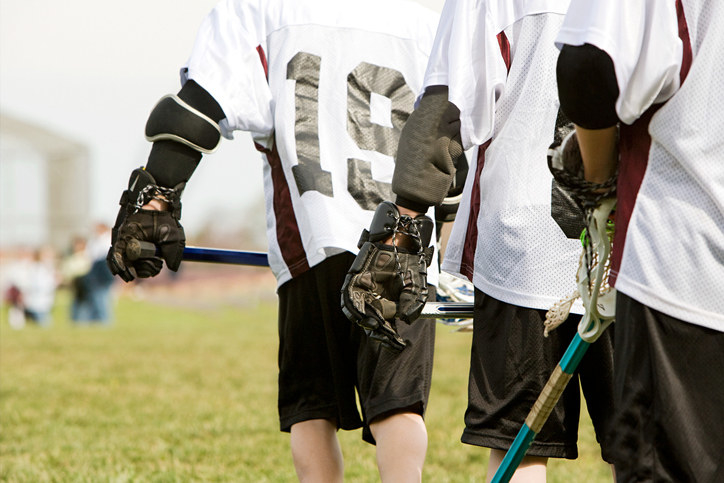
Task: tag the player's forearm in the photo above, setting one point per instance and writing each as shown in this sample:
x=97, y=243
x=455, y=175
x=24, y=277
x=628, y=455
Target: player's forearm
x=599, y=151
x=588, y=91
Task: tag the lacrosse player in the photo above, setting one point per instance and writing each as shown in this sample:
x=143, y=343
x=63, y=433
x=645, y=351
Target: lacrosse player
x=491, y=83
x=655, y=69
x=325, y=87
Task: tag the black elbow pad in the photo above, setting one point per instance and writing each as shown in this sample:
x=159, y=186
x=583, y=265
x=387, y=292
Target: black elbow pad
x=182, y=127
x=174, y=120
x=587, y=86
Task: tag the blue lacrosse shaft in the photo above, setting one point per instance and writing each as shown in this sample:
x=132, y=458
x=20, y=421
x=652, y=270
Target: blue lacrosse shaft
x=567, y=365
x=216, y=255
x=139, y=249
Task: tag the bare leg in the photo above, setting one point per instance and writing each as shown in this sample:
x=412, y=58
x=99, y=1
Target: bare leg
x=532, y=469
x=316, y=452
x=401, y=446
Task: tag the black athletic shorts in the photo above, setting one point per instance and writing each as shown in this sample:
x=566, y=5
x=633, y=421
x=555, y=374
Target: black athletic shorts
x=669, y=398
x=510, y=364
x=324, y=359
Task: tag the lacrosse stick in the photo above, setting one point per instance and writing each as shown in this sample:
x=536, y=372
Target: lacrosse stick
x=453, y=289
x=137, y=249
x=447, y=310
x=599, y=303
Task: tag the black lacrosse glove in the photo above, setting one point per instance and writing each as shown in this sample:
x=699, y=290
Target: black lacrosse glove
x=162, y=228
x=388, y=283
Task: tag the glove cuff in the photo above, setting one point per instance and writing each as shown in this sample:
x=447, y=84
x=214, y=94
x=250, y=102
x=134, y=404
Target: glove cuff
x=566, y=166
x=411, y=204
x=415, y=233
x=142, y=188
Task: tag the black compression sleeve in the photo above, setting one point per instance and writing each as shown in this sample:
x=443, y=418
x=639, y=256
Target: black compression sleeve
x=171, y=163
x=587, y=86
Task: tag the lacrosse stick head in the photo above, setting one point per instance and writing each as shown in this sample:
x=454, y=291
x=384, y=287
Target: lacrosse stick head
x=597, y=201
x=598, y=297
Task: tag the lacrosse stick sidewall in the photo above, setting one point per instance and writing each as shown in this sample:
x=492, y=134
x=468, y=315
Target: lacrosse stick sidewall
x=594, y=322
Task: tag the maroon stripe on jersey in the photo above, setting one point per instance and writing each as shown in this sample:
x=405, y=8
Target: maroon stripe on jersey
x=467, y=263
x=504, y=49
x=634, y=146
x=685, y=39
x=262, y=57
x=288, y=236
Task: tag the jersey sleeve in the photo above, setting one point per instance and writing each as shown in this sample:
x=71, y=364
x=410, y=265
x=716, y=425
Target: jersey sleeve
x=642, y=40
x=227, y=61
x=466, y=57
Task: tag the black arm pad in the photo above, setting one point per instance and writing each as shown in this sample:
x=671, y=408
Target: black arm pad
x=429, y=145
x=199, y=98
x=448, y=209
x=461, y=173
x=171, y=162
x=587, y=86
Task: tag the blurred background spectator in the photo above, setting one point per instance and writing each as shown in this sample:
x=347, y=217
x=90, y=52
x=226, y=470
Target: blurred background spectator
x=32, y=283
x=30, y=278
x=74, y=266
x=98, y=282
x=39, y=290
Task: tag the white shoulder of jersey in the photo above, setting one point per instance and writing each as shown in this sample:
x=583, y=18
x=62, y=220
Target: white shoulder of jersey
x=225, y=59
x=466, y=57
x=402, y=18
x=642, y=40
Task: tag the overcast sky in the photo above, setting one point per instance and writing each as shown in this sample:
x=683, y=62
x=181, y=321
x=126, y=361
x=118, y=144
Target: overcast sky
x=93, y=69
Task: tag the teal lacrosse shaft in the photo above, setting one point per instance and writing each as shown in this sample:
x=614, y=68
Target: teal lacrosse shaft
x=542, y=408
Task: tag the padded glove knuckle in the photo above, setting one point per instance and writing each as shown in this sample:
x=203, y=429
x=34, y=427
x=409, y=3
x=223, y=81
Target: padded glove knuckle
x=161, y=228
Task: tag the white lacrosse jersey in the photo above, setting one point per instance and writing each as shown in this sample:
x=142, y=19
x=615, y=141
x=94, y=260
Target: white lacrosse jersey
x=498, y=59
x=669, y=242
x=324, y=86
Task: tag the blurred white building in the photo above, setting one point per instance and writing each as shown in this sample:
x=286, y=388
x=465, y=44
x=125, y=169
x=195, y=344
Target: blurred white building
x=44, y=186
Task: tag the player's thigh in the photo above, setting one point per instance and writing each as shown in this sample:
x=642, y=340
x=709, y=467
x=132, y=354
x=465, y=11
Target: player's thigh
x=316, y=351
x=391, y=380
x=511, y=362
x=668, y=393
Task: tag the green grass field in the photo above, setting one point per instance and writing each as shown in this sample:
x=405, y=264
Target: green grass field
x=169, y=393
